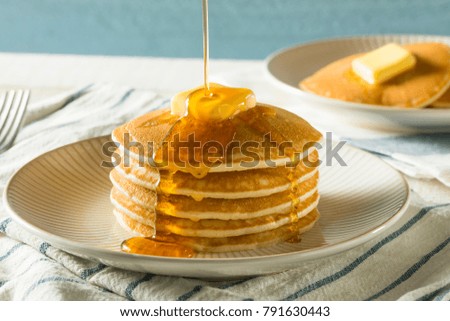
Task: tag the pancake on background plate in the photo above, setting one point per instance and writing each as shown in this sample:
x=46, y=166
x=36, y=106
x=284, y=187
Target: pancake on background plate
x=416, y=88
x=443, y=101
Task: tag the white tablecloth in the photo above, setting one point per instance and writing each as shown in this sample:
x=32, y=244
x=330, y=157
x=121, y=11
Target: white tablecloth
x=347, y=276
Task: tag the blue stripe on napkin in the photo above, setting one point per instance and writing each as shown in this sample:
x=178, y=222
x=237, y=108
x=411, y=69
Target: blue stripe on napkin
x=11, y=251
x=91, y=271
x=413, y=269
x=441, y=295
x=435, y=294
x=4, y=224
x=134, y=284
x=44, y=247
x=47, y=280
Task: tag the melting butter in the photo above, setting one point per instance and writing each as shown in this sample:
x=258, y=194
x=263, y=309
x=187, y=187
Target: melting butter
x=216, y=104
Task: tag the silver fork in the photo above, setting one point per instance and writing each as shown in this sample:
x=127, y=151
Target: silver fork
x=13, y=105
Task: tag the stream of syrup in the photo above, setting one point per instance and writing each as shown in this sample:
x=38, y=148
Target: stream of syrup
x=208, y=112
x=205, y=46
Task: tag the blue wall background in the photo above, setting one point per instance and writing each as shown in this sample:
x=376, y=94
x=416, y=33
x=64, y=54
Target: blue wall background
x=238, y=28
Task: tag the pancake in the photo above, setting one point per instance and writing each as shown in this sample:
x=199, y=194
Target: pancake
x=224, y=228
x=210, y=208
x=250, y=199
x=416, y=88
x=225, y=244
x=443, y=101
x=238, y=184
x=143, y=135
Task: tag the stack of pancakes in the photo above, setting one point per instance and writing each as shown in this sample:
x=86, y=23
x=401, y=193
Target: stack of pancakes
x=230, y=207
x=426, y=85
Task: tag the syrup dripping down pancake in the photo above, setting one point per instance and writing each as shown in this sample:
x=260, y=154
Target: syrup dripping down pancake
x=210, y=208
x=238, y=184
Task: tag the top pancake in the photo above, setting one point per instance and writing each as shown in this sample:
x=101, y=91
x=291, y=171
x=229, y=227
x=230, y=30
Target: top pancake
x=416, y=88
x=247, y=130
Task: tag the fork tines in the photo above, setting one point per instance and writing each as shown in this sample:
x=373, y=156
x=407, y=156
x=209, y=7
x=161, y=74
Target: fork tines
x=13, y=105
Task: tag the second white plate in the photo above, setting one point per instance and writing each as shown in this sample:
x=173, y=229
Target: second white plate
x=287, y=67
x=63, y=197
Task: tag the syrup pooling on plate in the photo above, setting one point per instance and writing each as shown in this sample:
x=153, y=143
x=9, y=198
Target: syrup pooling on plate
x=151, y=246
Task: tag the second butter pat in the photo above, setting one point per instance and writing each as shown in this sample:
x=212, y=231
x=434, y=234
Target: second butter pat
x=383, y=63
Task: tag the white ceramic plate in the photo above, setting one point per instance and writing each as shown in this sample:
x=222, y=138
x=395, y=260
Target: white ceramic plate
x=287, y=67
x=63, y=197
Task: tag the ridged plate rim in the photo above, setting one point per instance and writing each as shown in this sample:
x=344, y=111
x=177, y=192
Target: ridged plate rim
x=100, y=254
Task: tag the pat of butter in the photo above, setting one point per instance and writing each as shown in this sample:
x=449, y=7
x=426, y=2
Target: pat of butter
x=179, y=102
x=219, y=103
x=383, y=63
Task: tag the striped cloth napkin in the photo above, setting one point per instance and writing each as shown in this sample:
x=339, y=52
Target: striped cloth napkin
x=407, y=262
